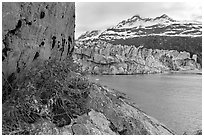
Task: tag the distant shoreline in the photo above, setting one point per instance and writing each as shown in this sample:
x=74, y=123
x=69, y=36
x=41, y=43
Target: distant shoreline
x=198, y=72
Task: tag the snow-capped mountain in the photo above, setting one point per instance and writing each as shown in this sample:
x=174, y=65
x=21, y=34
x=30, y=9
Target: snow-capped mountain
x=137, y=26
x=91, y=34
x=152, y=33
x=137, y=21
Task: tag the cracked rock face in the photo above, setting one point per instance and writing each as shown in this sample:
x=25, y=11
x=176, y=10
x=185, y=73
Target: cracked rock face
x=34, y=32
x=104, y=58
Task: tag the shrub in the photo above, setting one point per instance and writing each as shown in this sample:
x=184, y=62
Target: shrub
x=52, y=90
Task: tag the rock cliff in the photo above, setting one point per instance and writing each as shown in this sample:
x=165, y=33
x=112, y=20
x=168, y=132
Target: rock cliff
x=33, y=32
x=100, y=57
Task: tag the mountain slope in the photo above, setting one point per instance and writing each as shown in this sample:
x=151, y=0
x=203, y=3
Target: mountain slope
x=141, y=45
x=139, y=27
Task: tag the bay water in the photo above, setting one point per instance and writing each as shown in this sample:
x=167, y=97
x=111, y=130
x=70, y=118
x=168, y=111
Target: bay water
x=174, y=99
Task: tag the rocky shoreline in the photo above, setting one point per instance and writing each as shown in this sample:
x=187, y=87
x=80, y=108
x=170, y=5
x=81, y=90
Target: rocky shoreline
x=73, y=105
x=197, y=72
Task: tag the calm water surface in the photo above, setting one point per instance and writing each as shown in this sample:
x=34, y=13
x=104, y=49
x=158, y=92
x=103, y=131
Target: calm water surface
x=173, y=99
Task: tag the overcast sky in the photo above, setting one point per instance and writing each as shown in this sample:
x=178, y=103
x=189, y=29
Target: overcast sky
x=100, y=15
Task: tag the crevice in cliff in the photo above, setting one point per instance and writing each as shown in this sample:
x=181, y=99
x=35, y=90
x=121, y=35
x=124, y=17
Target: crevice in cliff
x=170, y=131
x=28, y=22
x=42, y=14
x=18, y=26
x=36, y=55
x=68, y=48
x=72, y=50
x=70, y=39
x=123, y=132
x=113, y=127
x=62, y=48
x=53, y=41
x=42, y=44
x=3, y=58
x=6, y=49
x=58, y=44
x=7, y=39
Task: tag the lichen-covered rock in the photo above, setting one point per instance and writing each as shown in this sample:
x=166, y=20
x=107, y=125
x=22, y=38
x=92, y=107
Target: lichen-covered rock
x=123, y=59
x=100, y=121
x=80, y=129
x=33, y=32
x=123, y=116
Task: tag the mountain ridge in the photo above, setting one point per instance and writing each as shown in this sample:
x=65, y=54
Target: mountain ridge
x=137, y=26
